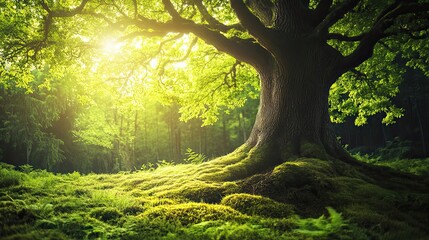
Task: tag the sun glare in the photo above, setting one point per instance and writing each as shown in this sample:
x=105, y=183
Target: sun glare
x=111, y=46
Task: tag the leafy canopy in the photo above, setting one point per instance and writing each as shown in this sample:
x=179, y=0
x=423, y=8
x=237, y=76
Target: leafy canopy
x=196, y=52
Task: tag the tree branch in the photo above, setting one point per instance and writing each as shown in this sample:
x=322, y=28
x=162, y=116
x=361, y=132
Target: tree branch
x=241, y=49
x=64, y=13
x=183, y=58
x=49, y=18
x=263, y=10
x=322, y=10
x=254, y=26
x=135, y=6
x=244, y=50
x=171, y=10
x=334, y=16
x=378, y=31
x=213, y=22
x=341, y=37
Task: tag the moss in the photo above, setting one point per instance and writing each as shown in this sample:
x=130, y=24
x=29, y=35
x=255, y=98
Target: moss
x=308, y=149
x=133, y=210
x=15, y=212
x=38, y=234
x=163, y=203
x=67, y=206
x=226, y=230
x=142, y=227
x=156, y=201
x=208, y=194
x=381, y=226
x=353, y=190
x=303, y=182
x=75, y=225
x=257, y=205
x=191, y=213
x=9, y=177
x=106, y=214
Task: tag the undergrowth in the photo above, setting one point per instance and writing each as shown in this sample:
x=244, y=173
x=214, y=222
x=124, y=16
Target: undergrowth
x=187, y=201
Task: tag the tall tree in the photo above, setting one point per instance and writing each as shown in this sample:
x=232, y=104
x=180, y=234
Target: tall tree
x=300, y=49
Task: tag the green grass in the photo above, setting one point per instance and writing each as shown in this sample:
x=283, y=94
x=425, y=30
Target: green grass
x=190, y=202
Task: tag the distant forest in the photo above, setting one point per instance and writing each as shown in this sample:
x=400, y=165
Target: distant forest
x=57, y=130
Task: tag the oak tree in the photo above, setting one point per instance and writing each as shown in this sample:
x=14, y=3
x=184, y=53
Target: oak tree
x=303, y=52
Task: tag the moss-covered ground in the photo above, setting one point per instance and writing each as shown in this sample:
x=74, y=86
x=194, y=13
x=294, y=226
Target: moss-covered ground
x=305, y=198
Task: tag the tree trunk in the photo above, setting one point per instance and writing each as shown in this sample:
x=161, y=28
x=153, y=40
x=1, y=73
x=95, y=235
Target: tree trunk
x=293, y=118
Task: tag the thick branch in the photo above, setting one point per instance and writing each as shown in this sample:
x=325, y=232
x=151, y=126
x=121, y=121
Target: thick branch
x=263, y=10
x=57, y=13
x=341, y=37
x=322, y=10
x=64, y=13
x=213, y=22
x=254, y=26
x=334, y=16
x=243, y=50
x=378, y=31
x=171, y=10
x=249, y=21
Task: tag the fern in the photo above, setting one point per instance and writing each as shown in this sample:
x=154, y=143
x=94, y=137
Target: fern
x=322, y=226
x=193, y=157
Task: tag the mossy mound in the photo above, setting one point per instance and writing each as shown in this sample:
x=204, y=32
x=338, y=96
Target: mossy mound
x=106, y=214
x=191, y=213
x=257, y=205
x=294, y=200
x=311, y=184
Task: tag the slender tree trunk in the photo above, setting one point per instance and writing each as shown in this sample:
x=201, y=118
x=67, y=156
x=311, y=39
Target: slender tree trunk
x=29, y=147
x=422, y=135
x=135, y=138
x=225, y=136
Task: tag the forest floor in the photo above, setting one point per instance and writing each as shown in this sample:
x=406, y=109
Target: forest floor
x=301, y=199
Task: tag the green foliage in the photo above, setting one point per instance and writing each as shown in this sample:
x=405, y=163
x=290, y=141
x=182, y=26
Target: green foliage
x=148, y=167
x=166, y=203
x=164, y=163
x=106, y=214
x=364, y=95
x=9, y=178
x=393, y=155
x=322, y=226
x=226, y=230
x=419, y=166
x=26, y=168
x=193, y=157
x=394, y=150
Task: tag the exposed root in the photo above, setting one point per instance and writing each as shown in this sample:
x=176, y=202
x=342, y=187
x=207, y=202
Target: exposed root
x=313, y=183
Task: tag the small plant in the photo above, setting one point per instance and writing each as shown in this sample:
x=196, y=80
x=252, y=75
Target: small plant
x=163, y=163
x=322, y=226
x=193, y=157
x=148, y=167
x=26, y=168
x=395, y=149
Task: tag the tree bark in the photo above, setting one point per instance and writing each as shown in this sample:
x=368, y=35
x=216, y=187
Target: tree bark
x=293, y=118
